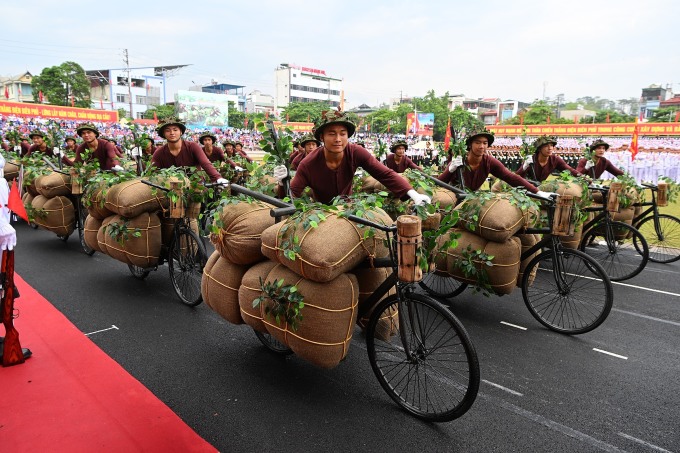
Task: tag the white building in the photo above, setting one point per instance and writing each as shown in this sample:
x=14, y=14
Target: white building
x=302, y=84
x=18, y=88
x=257, y=102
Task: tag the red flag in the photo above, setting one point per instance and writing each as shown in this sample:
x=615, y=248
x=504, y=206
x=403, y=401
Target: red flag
x=548, y=119
x=388, y=128
x=287, y=117
x=677, y=116
x=155, y=117
x=6, y=92
x=575, y=119
x=634, y=142
x=101, y=103
x=14, y=202
x=245, y=122
x=266, y=115
x=521, y=118
x=309, y=121
x=607, y=120
x=447, y=136
x=41, y=98
x=73, y=101
x=20, y=92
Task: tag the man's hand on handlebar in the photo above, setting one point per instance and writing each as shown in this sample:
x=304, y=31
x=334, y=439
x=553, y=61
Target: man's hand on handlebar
x=418, y=198
x=547, y=195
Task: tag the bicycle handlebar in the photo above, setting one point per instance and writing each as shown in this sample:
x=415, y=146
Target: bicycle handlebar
x=538, y=197
x=149, y=183
x=361, y=220
x=52, y=166
x=280, y=212
x=649, y=186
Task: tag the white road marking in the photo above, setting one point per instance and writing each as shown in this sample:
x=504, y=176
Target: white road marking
x=627, y=285
x=103, y=330
x=512, y=392
x=652, y=318
x=646, y=444
x=611, y=354
x=513, y=325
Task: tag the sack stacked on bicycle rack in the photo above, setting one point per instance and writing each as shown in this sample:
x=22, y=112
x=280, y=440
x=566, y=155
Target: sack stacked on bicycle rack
x=90, y=230
x=95, y=199
x=334, y=247
x=240, y=237
x=55, y=214
x=496, y=218
x=575, y=190
x=324, y=334
x=371, y=185
x=53, y=184
x=132, y=198
x=527, y=241
x=369, y=279
x=250, y=290
x=500, y=277
x=135, y=241
x=444, y=197
x=220, y=287
x=168, y=227
x=11, y=171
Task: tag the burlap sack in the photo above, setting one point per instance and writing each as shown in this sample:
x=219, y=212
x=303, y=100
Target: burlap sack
x=250, y=290
x=498, y=219
x=562, y=188
x=240, y=238
x=371, y=185
x=444, y=197
x=369, y=280
x=527, y=241
x=58, y=214
x=324, y=335
x=101, y=234
x=53, y=185
x=131, y=198
x=336, y=246
x=502, y=275
x=27, y=199
x=30, y=188
x=220, y=287
x=168, y=225
x=11, y=171
x=143, y=251
x=97, y=209
x=90, y=230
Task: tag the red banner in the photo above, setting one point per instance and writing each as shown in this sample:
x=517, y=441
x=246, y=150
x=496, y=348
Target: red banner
x=588, y=129
x=295, y=127
x=57, y=111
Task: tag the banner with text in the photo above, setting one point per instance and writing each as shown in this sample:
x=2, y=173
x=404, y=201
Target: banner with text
x=588, y=129
x=295, y=127
x=57, y=111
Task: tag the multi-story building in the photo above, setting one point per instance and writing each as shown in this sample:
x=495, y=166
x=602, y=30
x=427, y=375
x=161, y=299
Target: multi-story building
x=16, y=88
x=302, y=84
x=257, y=102
x=651, y=99
x=235, y=93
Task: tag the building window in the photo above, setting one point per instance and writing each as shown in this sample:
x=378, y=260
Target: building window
x=141, y=99
x=121, y=98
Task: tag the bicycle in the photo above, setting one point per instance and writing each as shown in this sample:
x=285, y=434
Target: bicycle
x=619, y=247
x=661, y=231
x=423, y=357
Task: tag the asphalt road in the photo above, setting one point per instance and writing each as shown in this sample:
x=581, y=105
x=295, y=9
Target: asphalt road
x=614, y=389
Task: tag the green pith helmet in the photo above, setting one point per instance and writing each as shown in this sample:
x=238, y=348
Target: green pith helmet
x=543, y=140
x=227, y=142
x=205, y=135
x=171, y=121
x=476, y=132
x=334, y=117
x=399, y=143
x=70, y=137
x=87, y=127
x=309, y=138
x=597, y=143
x=237, y=142
x=36, y=133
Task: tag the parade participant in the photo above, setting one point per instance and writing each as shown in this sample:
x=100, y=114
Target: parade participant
x=102, y=150
x=330, y=169
x=112, y=140
x=479, y=164
x=213, y=153
x=228, y=148
x=70, y=141
x=543, y=161
x=39, y=145
x=296, y=151
x=238, y=151
x=181, y=153
x=398, y=160
x=597, y=164
x=309, y=143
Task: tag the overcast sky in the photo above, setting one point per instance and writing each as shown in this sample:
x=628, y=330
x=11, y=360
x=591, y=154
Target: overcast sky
x=382, y=49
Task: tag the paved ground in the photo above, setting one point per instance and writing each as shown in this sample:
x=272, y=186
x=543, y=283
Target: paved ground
x=616, y=388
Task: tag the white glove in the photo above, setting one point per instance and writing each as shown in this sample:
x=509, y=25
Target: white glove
x=540, y=193
x=280, y=173
x=57, y=152
x=455, y=163
x=8, y=236
x=17, y=148
x=418, y=198
x=528, y=161
x=222, y=182
x=237, y=168
x=590, y=164
x=117, y=168
x=136, y=151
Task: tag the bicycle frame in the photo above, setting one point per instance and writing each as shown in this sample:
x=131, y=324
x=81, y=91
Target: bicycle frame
x=653, y=208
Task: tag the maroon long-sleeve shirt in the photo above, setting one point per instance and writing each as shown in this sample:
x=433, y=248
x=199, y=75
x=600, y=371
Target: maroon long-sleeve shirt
x=191, y=155
x=600, y=167
x=48, y=152
x=543, y=171
x=400, y=167
x=475, y=178
x=105, y=153
x=327, y=184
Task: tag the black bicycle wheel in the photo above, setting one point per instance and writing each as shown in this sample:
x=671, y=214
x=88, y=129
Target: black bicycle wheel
x=272, y=343
x=423, y=357
x=185, y=263
x=441, y=284
x=82, y=215
x=614, y=246
x=138, y=272
x=664, y=244
x=570, y=292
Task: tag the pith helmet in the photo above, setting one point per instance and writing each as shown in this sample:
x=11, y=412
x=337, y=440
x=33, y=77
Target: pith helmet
x=476, y=132
x=398, y=143
x=597, y=143
x=334, y=117
x=543, y=140
x=87, y=127
x=172, y=121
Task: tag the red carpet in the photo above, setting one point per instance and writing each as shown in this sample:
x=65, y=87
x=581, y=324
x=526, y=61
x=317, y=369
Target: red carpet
x=71, y=397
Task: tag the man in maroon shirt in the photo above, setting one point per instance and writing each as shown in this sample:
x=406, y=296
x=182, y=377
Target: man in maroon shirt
x=238, y=150
x=180, y=153
x=309, y=143
x=597, y=164
x=329, y=170
x=95, y=148
x=70, y=141
x=542, y=163
x=479, y=163
x=39, y=144
x=398, y=160
x=228, y=148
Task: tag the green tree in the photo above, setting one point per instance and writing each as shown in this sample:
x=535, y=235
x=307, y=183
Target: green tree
x=305, y=111
x=614, y=117
x=162, y=111
x=537, y=113
x=461, y=121
x=122, y=113
x=664, y=115
x=58, y=83
x=379, y=120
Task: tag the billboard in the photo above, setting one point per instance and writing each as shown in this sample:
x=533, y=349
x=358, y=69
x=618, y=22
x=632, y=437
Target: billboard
x=419, y=123
x=588, y=129
x=57, y=111
x=201, y=110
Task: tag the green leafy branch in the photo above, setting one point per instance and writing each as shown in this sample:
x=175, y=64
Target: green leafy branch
x=287, y=302
x=473, y=264
x=121, y=232
x=673, y=188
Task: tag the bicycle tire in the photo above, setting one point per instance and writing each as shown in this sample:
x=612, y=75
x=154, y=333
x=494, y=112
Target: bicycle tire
x=442, y=285
x=579, y=304
x=272, y=344
x=187, y=257
x=137, y=272
x=619, y=256
x=440, y=380
x=661, y=250
x=82, y=216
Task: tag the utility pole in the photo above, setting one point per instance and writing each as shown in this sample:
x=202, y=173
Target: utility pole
x=129, y=80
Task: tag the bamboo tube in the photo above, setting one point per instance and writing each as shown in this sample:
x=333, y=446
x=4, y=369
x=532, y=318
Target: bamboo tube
x=563, y=221
x=176, y=205
x=613, y=200
x=409, y=239
x=662, y=194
